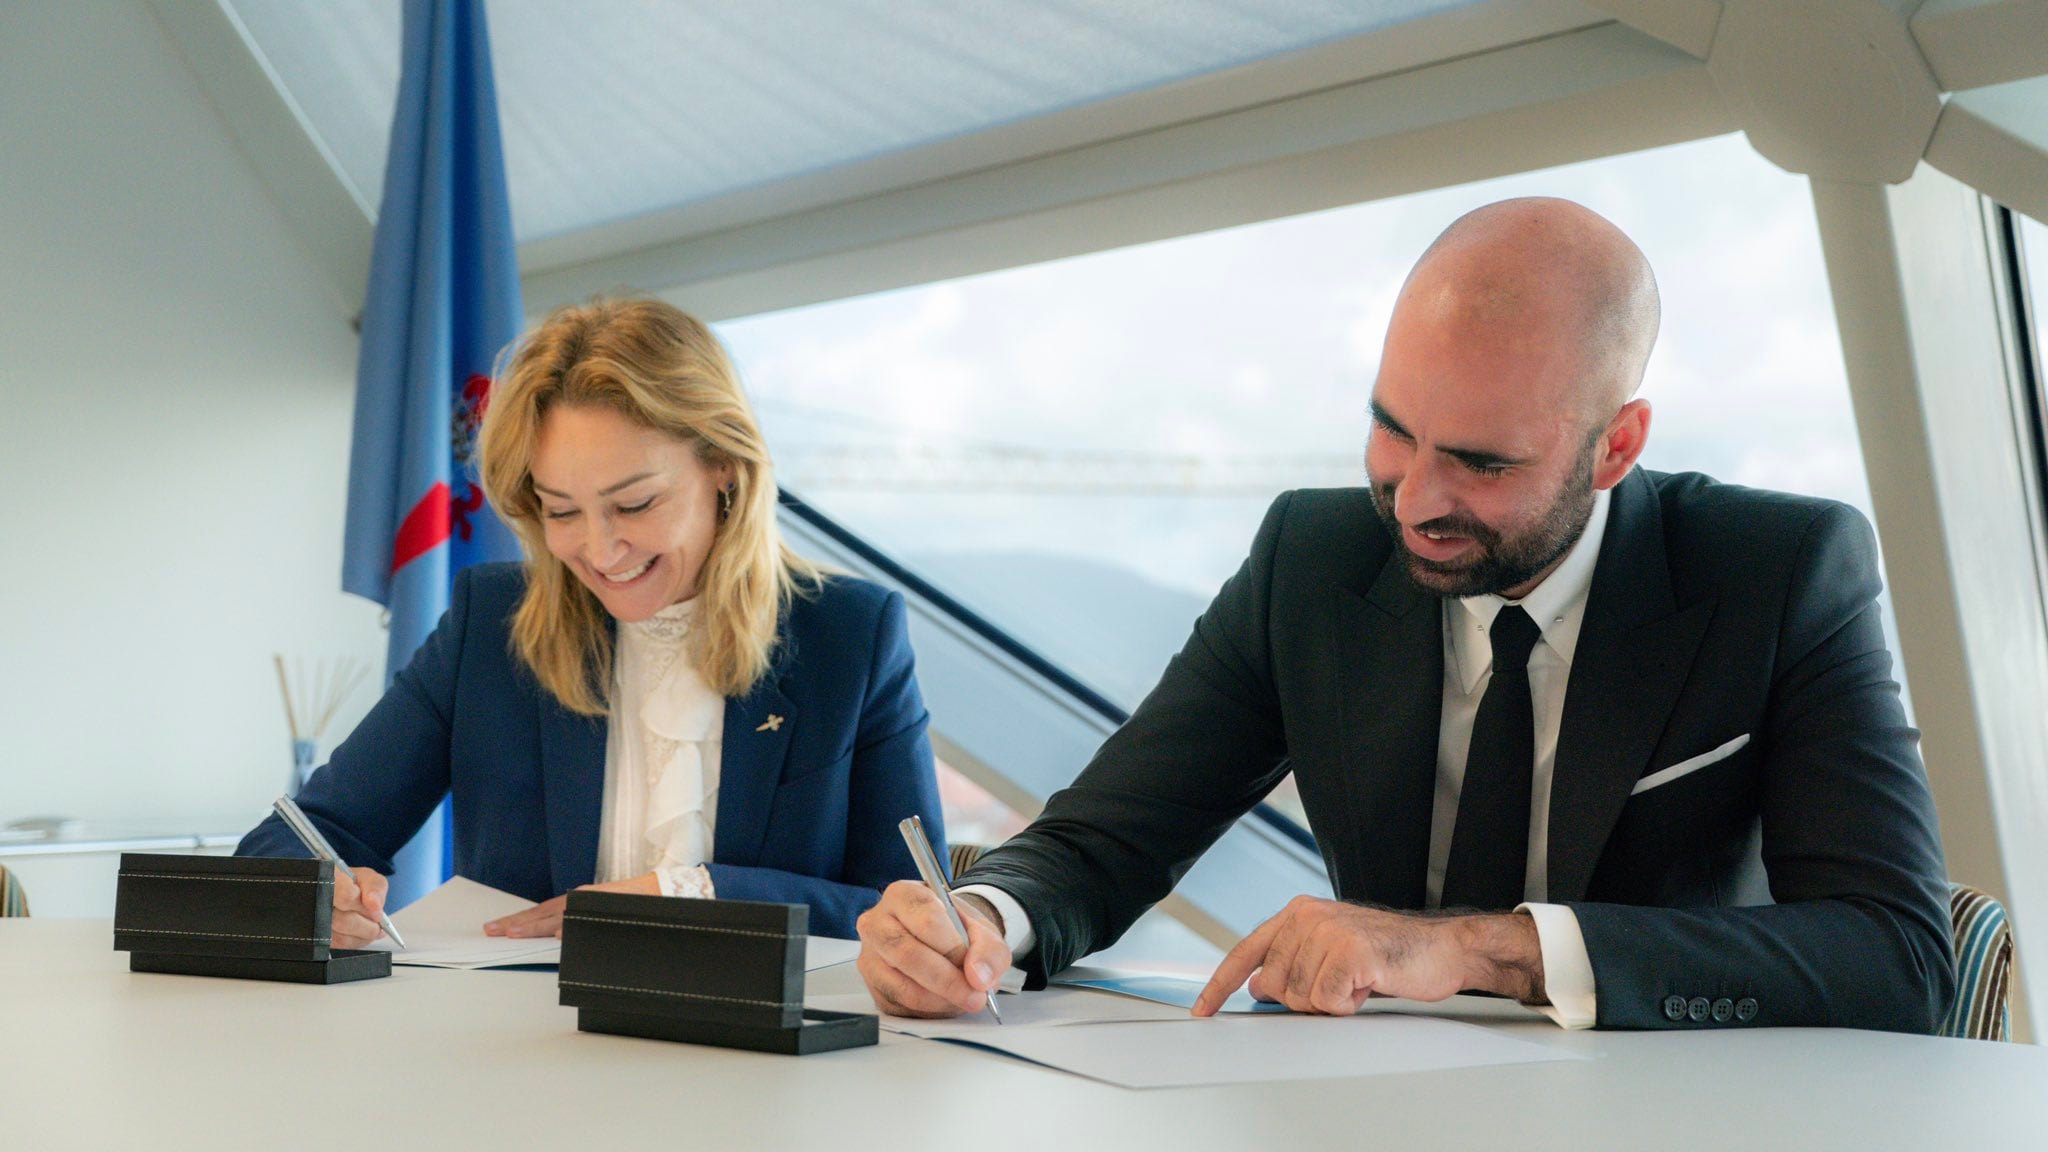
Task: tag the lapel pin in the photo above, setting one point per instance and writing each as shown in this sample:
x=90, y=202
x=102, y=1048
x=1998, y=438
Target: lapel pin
x=772, y=724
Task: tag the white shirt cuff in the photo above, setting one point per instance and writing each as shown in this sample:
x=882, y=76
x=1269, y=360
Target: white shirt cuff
x=1567, y=970
x=693, y=881
x=1017, y=934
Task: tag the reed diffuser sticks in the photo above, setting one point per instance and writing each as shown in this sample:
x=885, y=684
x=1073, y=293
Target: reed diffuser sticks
x=319, y=696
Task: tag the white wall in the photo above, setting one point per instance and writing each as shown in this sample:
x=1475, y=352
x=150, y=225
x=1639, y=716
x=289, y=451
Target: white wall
x=175, y=398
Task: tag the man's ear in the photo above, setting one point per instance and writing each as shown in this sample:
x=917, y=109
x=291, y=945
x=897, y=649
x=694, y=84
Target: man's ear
x=1620, y=443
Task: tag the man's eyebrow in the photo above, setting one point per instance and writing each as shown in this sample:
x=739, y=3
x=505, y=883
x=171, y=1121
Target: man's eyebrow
x=1385, y=419
x=626, y=483
x=1475, y=459
x=1470, y=457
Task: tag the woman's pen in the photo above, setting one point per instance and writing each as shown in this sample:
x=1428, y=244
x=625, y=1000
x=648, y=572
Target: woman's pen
x=934, y=878
x=295, y=819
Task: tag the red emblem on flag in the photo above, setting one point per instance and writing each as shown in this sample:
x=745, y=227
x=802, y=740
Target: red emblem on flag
x=440, y=513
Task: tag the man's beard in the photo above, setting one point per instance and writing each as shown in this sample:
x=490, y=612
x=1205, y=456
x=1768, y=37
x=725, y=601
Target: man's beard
x=1503, y=562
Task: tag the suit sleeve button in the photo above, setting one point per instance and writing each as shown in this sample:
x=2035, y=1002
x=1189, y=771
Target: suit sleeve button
x=1674, y=1008
x=1698, y=1008
x=1745, y=1009
x=1724, y=1010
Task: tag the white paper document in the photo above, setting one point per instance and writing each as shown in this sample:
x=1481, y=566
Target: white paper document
x=1261, y=1048
x=1179, y=991
x=445, y=929
x=1132, y=1039
x=1050, y=1008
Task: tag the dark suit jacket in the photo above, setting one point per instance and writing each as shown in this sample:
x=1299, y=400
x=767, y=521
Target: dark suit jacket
x=1803, y=872
x=807, y=812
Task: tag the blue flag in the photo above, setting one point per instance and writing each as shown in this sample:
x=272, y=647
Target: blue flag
x=443, y=300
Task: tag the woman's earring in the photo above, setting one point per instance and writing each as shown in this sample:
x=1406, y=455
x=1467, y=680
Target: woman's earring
x=725, y=503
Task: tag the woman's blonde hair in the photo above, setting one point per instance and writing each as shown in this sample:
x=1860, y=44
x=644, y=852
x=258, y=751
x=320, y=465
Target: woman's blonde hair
x=662, y=369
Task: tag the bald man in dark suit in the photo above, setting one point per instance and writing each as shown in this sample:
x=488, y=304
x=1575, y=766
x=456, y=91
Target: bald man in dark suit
x=1622, y=745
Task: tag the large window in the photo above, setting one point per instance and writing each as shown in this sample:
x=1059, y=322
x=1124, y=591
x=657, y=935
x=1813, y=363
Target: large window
x=1082, y=450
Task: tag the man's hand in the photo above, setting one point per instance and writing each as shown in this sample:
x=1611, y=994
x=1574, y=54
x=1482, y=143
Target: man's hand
x=545, y=918
x=913, y=961
x=357, y=904
x=1327, y=957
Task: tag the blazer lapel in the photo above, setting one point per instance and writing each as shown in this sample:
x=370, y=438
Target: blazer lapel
x=572, y=749
x=755, y=745
x=1391, y=658
x=1634, y=653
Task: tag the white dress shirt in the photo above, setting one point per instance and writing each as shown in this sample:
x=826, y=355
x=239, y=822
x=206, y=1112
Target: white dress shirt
x=1558, y=606
x=660, y=758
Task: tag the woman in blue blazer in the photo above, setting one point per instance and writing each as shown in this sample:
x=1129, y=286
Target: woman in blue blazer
x=662, y=698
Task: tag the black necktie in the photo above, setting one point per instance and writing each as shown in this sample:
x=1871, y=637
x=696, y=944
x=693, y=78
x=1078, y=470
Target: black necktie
x=1490, y=844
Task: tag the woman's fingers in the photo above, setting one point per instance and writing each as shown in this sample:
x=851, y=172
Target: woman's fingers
x=373, y=888
x=358, y=901
x=645, y=884
x=355, y=930
x=543, y=919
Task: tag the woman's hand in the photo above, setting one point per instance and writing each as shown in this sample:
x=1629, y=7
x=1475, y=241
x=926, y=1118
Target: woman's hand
x=357, y=904
x=545, y=918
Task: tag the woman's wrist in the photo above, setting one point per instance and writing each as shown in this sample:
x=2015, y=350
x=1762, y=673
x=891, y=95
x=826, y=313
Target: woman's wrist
x=691, y=881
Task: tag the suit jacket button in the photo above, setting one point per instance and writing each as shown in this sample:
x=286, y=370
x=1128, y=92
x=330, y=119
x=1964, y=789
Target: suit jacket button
x=1674, y=1008
x=1724, y=1010
x=1698, y=1008
x=1745, y=1009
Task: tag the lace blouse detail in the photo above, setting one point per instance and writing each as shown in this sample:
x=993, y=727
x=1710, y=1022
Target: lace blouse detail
x=661, y=757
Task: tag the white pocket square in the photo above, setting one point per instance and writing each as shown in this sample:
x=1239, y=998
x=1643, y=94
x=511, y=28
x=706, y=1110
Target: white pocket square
x=1665, y=776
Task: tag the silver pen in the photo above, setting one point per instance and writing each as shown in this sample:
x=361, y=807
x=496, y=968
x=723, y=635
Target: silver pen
x=934, y=878
x=295, y=819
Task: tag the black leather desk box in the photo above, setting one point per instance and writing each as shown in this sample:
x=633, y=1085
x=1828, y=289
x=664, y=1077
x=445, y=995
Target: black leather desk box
x=247, y=917
x=724, y=972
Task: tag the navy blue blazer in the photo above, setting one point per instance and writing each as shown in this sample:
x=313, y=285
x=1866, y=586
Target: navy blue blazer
x=807, y=808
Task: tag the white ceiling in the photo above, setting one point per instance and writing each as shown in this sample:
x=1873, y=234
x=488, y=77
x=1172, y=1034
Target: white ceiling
x=615, y=110
x=745, y=155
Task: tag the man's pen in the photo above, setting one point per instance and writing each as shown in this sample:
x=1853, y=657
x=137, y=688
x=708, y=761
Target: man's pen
x=935, y=879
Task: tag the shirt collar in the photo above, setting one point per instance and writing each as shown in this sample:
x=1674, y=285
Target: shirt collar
x=1557, y=605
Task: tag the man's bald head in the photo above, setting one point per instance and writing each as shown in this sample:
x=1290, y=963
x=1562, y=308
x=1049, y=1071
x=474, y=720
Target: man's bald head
x=1503, y=402
x=1549, y=276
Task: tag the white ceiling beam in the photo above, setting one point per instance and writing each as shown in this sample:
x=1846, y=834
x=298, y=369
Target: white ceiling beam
x=1834, y=89
x=1687, y=25
x=1974, y=43
x=328, y=215
x=1576, y=96
x=1927, y=341
x=1996, y=141
x=1458, y=32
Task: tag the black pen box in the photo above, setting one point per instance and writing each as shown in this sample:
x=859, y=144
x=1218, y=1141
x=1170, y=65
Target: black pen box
x=247, y=917
x=724, y=972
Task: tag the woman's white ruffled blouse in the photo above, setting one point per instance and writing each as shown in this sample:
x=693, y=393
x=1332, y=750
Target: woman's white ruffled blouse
x=661, y=758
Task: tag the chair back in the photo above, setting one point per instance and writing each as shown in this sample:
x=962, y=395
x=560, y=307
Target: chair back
x=962, y=855
x=1982, y=1008
x=13, y=901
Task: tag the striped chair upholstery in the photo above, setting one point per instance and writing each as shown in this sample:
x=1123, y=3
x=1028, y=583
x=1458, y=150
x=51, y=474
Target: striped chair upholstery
x=962, y=855
x=1983, y=967
x=13, y=901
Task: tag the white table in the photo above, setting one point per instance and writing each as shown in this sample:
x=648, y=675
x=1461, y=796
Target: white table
x=94, y=1057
